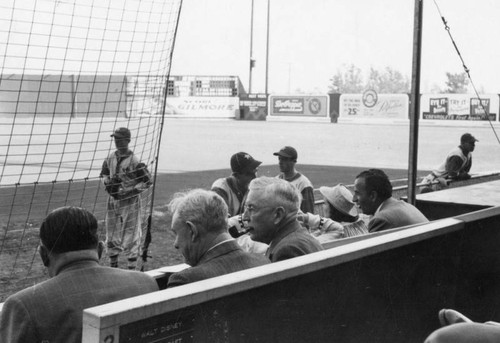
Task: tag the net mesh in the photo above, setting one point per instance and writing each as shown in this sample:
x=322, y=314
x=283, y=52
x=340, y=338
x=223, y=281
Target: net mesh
x=71, y=71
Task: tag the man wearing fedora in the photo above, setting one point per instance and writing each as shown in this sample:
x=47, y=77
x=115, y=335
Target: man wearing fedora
x=234, y=188
x=124, y=177
x=287, y=157
x=341, y=218
x=373, y=195
x=457, y=164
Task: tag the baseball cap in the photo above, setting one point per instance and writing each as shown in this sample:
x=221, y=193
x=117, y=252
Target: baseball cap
x=287, y=151
x=122, y=132
x=468, y=138
x=242, y=162
x=340, y=198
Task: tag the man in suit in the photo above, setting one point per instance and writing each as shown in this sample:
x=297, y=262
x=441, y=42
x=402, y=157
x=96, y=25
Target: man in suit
x=52, y=310
x=373, y=194
x=271, y=212
x=199, y=223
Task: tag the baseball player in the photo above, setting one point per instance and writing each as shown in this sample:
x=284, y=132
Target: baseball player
x=124, y=178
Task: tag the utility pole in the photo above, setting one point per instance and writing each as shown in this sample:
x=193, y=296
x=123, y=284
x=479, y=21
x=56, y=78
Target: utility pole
x=415, y=101
x=267, y=46
x=251, y=51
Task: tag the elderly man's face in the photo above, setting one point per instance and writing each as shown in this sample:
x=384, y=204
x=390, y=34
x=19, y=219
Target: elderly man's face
x=260, y=217
x=184, y=239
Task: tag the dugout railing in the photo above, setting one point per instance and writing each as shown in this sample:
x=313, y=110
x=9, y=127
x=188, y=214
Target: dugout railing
x=386, y=288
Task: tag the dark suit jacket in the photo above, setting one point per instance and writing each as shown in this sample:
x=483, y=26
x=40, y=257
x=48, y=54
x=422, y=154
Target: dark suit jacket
x=52, y=310
x=225, y=258
x=292, y=240
x=395, y=213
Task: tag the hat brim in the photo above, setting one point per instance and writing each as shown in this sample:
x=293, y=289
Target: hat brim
x=328, y=193
x=282, y=154
x=251, y=167
x=119, y=136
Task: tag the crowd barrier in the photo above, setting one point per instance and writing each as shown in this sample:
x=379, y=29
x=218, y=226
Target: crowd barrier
x=387, y=287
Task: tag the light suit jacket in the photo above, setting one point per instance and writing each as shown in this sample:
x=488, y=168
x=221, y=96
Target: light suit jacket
x=395, y=213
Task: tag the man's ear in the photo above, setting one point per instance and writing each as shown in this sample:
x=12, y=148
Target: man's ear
x=195, y=233
x=373, y=196
x=44, y=254
x=279, y=214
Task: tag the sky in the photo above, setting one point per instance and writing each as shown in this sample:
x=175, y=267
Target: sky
x=310, y=40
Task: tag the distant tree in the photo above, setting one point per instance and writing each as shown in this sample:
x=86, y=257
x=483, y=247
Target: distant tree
x=349, y=80
x=456, y=83
x=388, y=81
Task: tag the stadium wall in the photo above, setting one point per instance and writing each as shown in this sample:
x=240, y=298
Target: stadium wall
x=76, y=96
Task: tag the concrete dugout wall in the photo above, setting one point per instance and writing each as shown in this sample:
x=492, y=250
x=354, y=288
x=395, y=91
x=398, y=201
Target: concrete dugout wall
x=387, y=288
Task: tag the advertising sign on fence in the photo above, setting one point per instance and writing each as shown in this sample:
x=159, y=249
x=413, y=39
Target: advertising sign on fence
x=303, y=107
x=459, y=107
x=253, y=106
x=371, y=105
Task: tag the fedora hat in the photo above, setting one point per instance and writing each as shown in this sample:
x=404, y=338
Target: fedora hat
x=340, y=198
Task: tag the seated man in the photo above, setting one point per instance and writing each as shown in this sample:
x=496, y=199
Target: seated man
x=199, y=222
x=52, y=310
x=271, y=212
x=341, y=218
x=373, y=194
x=457, y=164
x=459, y=329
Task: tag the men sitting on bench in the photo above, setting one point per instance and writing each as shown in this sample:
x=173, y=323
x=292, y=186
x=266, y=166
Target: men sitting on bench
x=199, y=221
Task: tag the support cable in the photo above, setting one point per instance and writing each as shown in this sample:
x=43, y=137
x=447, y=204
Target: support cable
x=467, y=70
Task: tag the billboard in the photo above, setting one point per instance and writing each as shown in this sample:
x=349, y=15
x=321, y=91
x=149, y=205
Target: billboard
x=253, y=106
x=371, y=105
x=459, y=107
x=299, y=106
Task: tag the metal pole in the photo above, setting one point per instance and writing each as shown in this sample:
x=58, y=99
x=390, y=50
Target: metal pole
x=267, y=45
x=251, y=51
x=415, y=101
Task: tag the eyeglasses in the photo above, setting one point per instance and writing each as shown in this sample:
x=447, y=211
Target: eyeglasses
x=251, y=208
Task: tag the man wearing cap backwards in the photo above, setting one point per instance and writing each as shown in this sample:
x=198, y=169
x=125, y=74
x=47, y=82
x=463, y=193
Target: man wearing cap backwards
x=287, y=157
x=271, y=212
x=341, y=218
x=234, y=188
x=124, y=177
x=457, y=164
x=373, y=195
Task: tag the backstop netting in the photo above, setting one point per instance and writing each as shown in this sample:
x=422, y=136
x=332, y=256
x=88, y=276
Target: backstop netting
x=71, y=72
